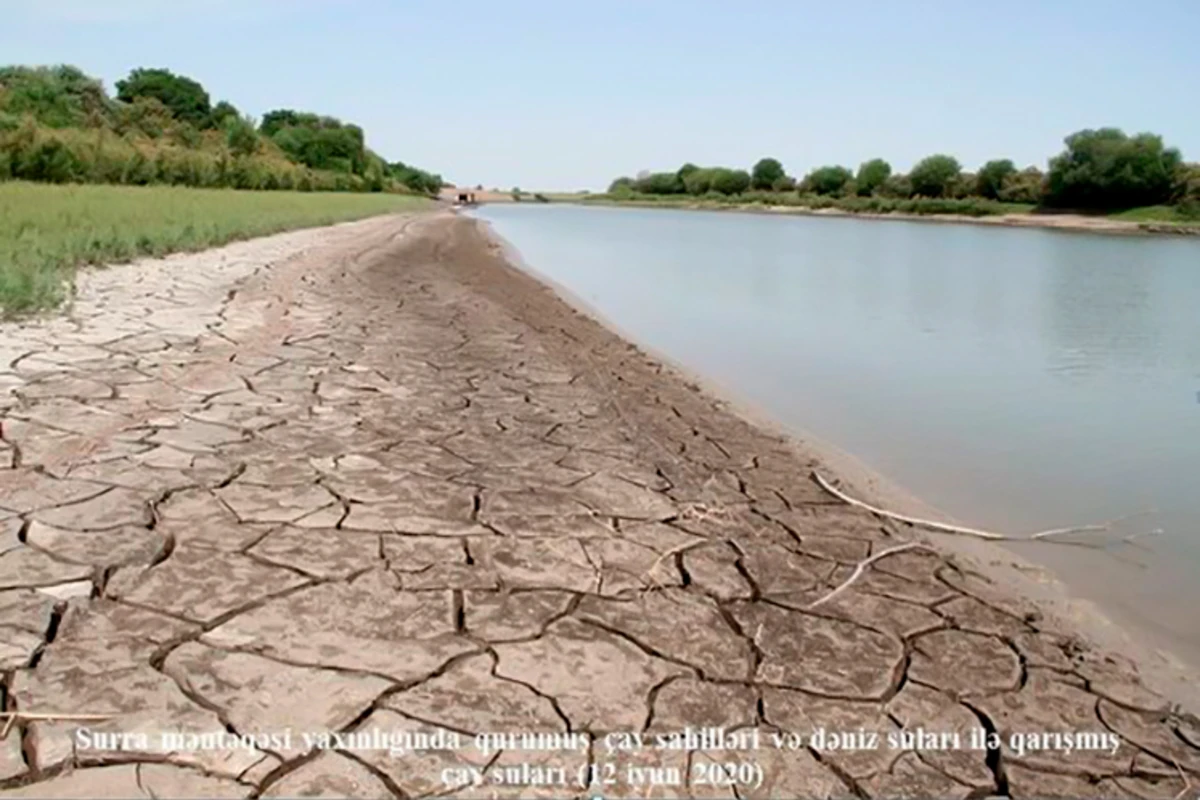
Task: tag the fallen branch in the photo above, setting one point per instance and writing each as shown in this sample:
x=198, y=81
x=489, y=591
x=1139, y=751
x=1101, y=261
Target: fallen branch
x=862, y=567
x=944, y=527
x=12, y=717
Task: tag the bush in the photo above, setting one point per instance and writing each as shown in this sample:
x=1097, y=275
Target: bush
x=1105, y=169
x=934, y=176
x=896, y=187
x=992, y=175
x=698, y=181
x=241, y=137
x=730, y=181
x=183, y=97
x=1026, y=186
x=826, y=180
x=784, y=183
x=765, y=173
x=871, y=176
x=659, y=183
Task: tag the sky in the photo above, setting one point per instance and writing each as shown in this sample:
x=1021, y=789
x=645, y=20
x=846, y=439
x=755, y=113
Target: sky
x=568, y=94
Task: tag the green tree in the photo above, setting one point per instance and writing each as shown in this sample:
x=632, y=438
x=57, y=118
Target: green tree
x=624, y=183
x=685, y=170
x=184, y=98
x=765, y=173
x=223, y=112
x=826, y=180
x=241, y=136
x=1105, y=169
x=659, y=183
x=871, y=175
x=990, y=180
x=898, y=187
x=935, y=175
x=698, y=181
x=730, y=181
x=1026, y=186
x=58, y=97
x=784, y=183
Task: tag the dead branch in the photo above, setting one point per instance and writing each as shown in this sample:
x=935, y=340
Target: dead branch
x=862, y=567
x=944, y=527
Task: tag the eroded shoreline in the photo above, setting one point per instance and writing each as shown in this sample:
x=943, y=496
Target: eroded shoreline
x=382, y=479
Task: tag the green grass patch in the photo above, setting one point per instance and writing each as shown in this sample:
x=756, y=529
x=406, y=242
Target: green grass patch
x=1169, y=214
x=47, y=231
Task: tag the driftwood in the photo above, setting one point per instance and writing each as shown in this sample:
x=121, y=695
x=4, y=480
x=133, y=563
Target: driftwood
x=12, y=717
x=943, y=527
x=862, y=567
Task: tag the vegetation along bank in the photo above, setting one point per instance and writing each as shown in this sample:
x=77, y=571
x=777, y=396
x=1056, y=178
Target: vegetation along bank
x=1102, y=172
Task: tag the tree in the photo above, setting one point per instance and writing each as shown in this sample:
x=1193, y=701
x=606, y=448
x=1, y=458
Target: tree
x=698, y=181
x=991, y=177
x=1105, y=169
x=730, y=181
x=765, y=173
x=784, y=183
x=659, y=183
x=184, y=98
x=685, y=170
x=871, y=175
x=241, y=136
x=896, y=186
x=58, y=97
x=622, y=184
x=826, y=180
x=933, y=176
x=1026, y=186
x=223, y=112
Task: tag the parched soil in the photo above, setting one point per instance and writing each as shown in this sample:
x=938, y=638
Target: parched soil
x=374, y=481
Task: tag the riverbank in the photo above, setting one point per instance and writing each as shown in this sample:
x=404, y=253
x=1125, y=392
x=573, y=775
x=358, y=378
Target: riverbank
x=386, y=472
x=47, y=231
x=1026, y=219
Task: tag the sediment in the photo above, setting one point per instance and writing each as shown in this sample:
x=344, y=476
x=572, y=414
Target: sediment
x=375, y=482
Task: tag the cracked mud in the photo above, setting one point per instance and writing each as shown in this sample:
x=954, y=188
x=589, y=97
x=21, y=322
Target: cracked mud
x=372, y=477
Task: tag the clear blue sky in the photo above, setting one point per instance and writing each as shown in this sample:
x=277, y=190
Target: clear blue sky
x=567, y=94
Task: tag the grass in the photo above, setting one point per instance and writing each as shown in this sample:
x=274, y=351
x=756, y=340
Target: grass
x=1169, y=214
x=47, y=231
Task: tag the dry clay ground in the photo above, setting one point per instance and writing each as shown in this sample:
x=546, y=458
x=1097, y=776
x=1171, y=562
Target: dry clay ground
x=372, y=478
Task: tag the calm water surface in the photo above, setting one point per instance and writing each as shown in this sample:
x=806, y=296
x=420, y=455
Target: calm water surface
x=1017, y=379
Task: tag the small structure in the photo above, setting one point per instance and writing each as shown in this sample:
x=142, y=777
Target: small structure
x=466, y=198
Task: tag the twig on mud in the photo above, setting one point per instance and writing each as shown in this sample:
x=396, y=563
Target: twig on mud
x=12, y=717
x=1187, y=782
x=862, y=567
x=683, y=548
x=944, y=527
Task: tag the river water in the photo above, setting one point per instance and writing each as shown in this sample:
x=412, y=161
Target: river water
x=1016, y=379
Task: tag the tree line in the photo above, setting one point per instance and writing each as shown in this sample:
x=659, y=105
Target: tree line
x=1098, y=170
x=60, y=125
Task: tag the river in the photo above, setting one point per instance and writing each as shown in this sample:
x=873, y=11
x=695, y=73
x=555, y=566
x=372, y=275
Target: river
x=1015, y=379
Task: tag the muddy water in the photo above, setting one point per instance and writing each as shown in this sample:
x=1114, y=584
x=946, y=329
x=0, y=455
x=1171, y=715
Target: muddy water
x=1015, y=379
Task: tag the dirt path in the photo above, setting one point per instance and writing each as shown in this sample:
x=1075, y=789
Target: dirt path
x=388, y=485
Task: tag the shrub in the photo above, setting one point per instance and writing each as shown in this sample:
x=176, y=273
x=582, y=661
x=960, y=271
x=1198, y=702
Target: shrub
x=934, y=176
x=992, y=175
x=730, y=181
x=183, y=97
x=765, y=173
x=1105, y=169
x=826, y=180
x=1026, y=186
x=871, y=176
x=659, y=183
